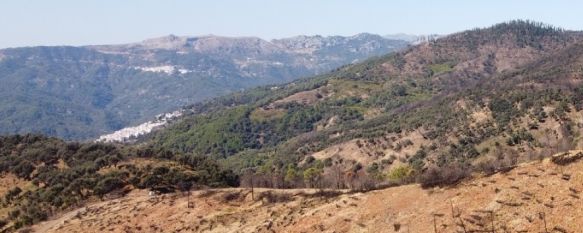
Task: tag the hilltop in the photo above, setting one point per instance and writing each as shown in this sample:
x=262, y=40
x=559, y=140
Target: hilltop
x=477, y=99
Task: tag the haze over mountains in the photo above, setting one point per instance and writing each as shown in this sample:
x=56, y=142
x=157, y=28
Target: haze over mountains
x=83, y=92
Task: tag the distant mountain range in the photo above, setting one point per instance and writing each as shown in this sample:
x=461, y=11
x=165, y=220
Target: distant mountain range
x=83, y=92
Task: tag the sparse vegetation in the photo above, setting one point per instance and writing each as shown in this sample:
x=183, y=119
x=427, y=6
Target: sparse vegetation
x=428, y=122
x=440, y=68
x=93, y=169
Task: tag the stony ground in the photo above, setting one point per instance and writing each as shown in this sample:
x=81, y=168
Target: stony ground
x=534, y=197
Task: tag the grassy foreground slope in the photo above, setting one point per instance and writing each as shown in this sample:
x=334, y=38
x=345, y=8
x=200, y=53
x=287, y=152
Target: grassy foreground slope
x=540, y=196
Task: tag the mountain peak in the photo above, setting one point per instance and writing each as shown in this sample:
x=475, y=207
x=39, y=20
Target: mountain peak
x=519, y=24
x=366, y=36
x=166, y=42
x=515, y=33
x=520, y=28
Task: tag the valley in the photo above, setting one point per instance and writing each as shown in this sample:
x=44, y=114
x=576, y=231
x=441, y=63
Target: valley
x=83, y=92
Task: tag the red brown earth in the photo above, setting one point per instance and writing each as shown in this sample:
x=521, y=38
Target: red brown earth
x=524, y=199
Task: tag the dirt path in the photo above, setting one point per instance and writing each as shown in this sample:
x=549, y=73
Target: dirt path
x=52, y=225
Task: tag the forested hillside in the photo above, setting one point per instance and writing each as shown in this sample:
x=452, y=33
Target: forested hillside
x=83, y=92
x=481, y=99
x=42, y=176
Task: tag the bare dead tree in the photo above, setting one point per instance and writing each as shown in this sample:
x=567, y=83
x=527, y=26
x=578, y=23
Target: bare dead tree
x=190, y=204
x=337, y=177
x=564, y=144
x=542, y=216
x=492, y=219
x=247, y=180
x=452, y=211
x=435, y=215
x=349, y=178
x=434, y=224
x=186, y=186
x=463, y=225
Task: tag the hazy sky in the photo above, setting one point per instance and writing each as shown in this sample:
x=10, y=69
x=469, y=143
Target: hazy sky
x=81, y=22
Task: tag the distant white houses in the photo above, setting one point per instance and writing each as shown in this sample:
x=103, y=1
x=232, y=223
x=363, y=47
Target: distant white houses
x=128, y=133
x=163, y=69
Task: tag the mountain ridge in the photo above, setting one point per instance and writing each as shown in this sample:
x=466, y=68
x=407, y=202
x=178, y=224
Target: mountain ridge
x=428, y=94
x=106, y=88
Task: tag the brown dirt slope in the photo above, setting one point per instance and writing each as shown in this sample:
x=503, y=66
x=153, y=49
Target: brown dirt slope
x=528, y=198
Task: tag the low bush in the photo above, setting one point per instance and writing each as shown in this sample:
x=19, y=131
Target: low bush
x=566, y=158
x=441, y=176
x=207, y=193
x=400, y=173
x=273, y=197
x=231, y=196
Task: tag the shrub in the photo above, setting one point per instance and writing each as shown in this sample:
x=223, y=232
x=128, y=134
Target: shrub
x=399, y=90
x=272, y=197
x=387, y=161
x=309, y=159
x=373, y=168
x=518, y=137
x=12, y=193
x=107, y=185
x=322, y=193
x=312, y=176
x=502, y=111
x=328, y=162
x=566, y=158
x=13, y=214
x=488, y=166
x=23, y=169
x=31, y=214
x=356, y=167
x=231, y=196
x=207, y=193
x=400, y=173
x=441, y=176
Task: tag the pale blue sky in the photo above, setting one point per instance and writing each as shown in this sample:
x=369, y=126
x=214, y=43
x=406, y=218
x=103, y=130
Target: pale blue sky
x=81, y=22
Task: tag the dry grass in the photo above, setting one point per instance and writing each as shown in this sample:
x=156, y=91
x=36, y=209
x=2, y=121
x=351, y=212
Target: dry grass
x=524, y=199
